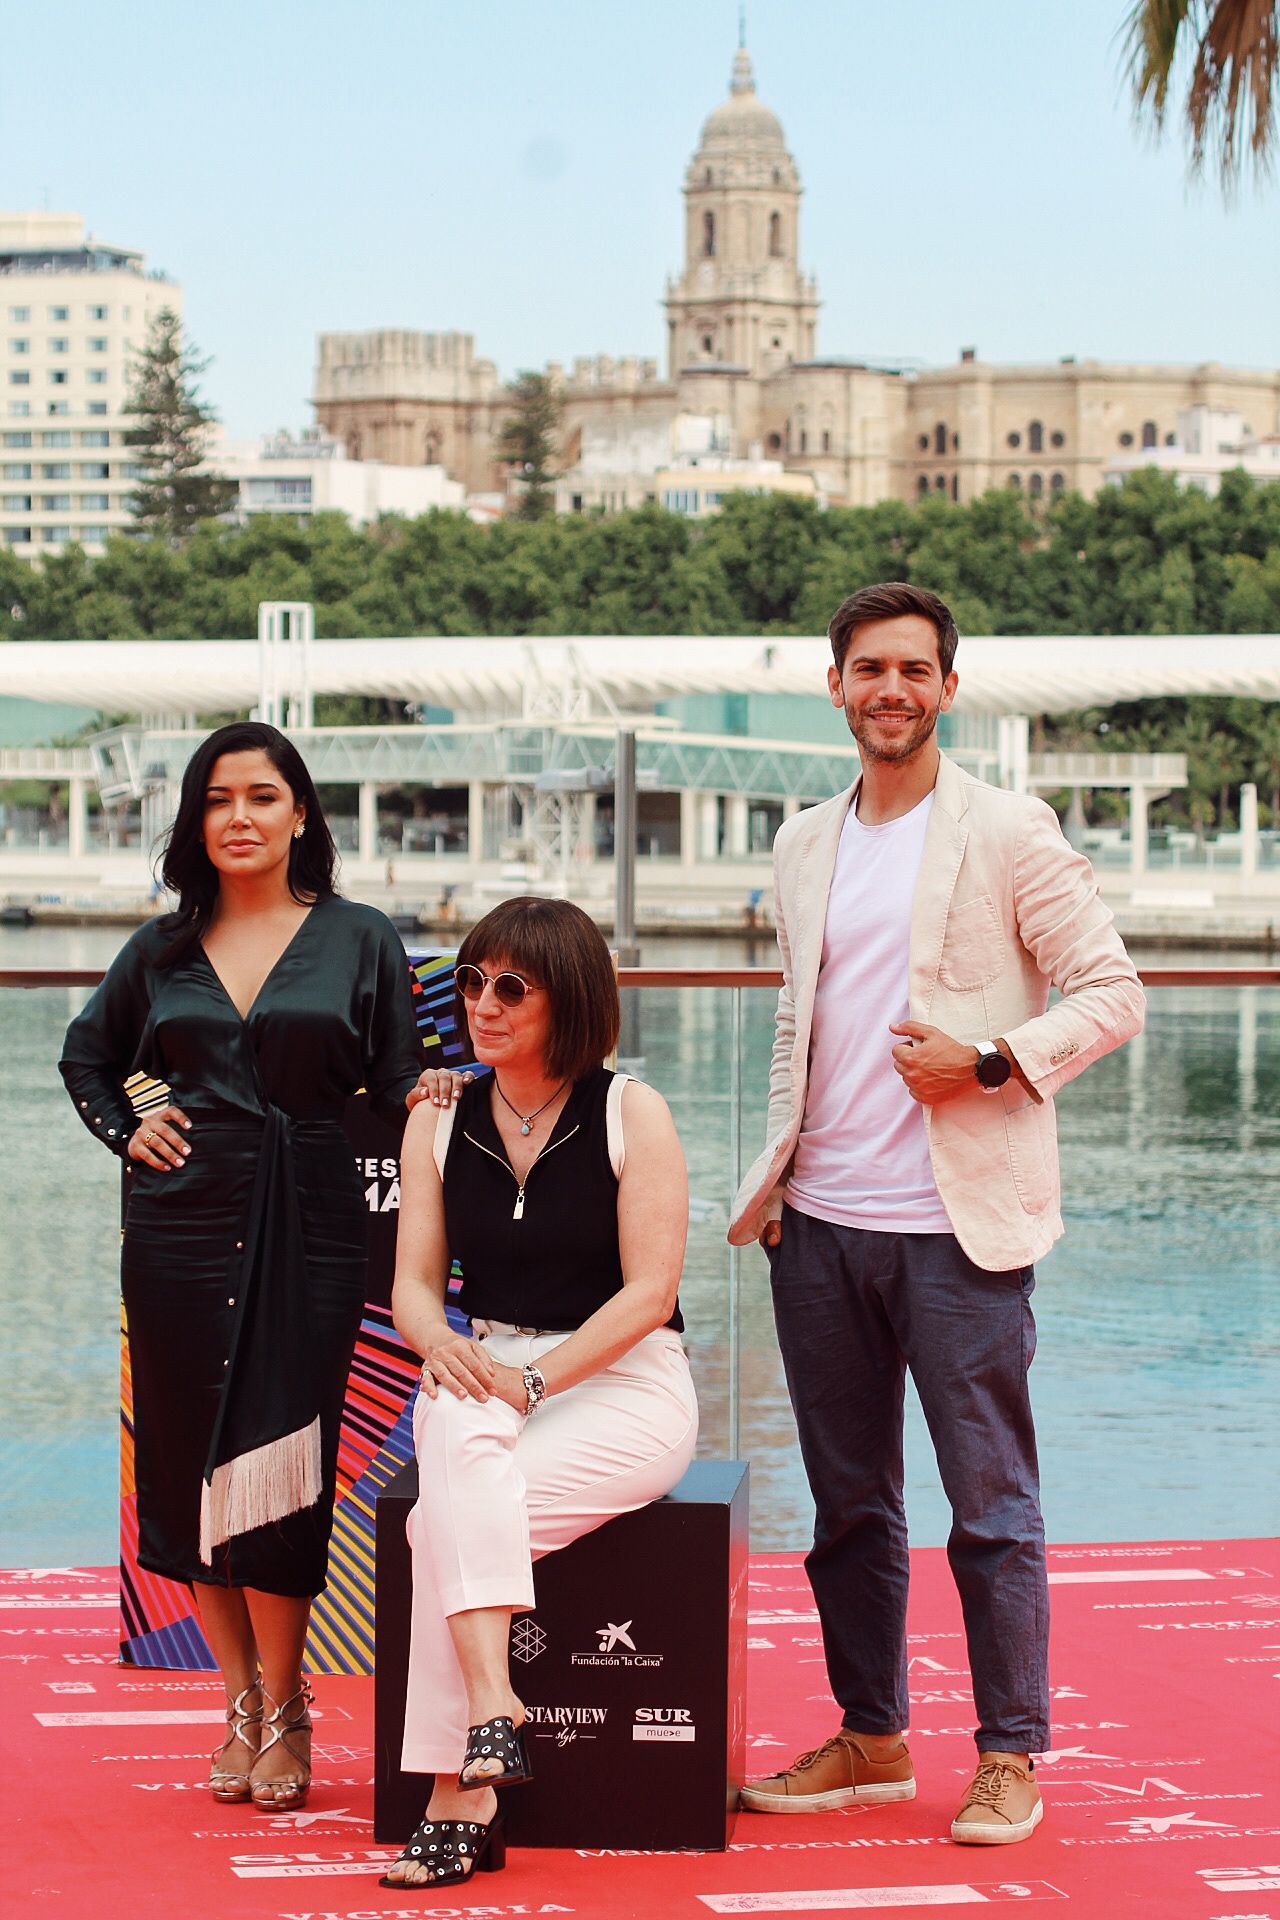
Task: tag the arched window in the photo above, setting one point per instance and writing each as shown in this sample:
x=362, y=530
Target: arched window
x=940, y=484
x=955, y=486
x=1035, y=437
x=775, y=236
x=431, y=448
x=1015, y=483
x=708, y=342
x=940, y=438
x=923, y=443
x=804, y=440
x=1057, y=482
x=955, y=443
x=774, y=442
x=1035, y=485
x=922, y=485
x=708, y=234
x=826, y=440
x=708, y=176
x=1150, y=437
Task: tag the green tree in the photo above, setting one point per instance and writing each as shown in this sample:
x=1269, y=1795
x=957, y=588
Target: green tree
x=764, y=544
x=528, y=441
x=1265, y=767
x=1228, y=51
x=171, y=437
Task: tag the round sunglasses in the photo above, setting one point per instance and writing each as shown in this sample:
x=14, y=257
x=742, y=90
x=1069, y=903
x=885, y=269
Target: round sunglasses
x=510, y=988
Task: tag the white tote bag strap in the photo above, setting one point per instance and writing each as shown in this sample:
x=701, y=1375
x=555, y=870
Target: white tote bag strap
x=613, y=1124
x=444, y=1132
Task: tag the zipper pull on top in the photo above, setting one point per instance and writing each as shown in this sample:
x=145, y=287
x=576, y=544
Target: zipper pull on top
x=519, y=1207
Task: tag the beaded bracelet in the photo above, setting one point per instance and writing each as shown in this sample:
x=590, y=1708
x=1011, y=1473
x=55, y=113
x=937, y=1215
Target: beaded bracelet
x=535, y=1388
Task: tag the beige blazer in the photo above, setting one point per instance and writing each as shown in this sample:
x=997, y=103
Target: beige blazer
x=1004, y=909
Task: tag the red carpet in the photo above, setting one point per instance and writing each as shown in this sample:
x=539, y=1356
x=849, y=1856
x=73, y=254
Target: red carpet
x=1162, y=1791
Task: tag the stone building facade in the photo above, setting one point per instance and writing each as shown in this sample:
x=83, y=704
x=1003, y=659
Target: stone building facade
x=742, y=352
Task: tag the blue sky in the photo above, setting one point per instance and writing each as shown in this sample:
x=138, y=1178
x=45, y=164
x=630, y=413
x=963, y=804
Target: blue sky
x=972, y=175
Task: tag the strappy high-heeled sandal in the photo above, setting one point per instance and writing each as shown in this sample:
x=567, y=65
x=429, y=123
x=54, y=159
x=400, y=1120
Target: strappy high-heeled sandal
x=293, y=1731
x=499, y=1740
x=451, y=1850
x=242, y=1722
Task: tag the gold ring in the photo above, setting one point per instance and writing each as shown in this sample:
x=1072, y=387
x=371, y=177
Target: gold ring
x=147, y=1138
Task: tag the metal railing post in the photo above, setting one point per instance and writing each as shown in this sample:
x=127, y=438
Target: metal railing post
x=624, y=847
x=735, y=1175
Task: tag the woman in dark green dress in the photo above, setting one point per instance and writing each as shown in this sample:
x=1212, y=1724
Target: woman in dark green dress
x=263, y=1002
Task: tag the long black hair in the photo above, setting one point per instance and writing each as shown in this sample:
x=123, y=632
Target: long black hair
x=185, y=867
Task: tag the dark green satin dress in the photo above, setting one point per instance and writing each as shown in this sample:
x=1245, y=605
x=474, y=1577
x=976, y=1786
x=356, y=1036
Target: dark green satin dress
x=243, y=1272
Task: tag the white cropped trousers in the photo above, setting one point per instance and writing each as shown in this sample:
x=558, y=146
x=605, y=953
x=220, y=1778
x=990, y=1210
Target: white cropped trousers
x=497, y=1491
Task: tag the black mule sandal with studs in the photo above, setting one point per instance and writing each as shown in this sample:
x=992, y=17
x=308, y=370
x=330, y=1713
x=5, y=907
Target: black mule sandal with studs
x=499, y=1740
x=451, y=1850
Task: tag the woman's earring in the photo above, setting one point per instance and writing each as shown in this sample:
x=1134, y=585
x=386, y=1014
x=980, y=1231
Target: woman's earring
x=298, y=832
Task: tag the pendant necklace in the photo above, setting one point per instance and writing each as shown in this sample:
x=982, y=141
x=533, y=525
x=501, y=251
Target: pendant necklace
x=527, y=1119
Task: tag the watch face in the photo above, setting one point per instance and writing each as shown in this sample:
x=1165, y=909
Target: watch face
x=992, y=1070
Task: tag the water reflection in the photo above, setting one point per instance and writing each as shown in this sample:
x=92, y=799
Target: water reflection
x=1155, y=1381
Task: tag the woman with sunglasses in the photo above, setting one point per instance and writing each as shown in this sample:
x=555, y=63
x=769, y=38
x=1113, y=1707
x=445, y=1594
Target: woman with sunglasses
x=262, y=1002
x=560, y=1189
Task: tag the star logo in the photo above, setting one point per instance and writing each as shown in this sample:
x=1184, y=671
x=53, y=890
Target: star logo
x=296, y=1821
x=1072, y=1753
x=1161, y=1823
x=54, y=1573
x=612, y=1636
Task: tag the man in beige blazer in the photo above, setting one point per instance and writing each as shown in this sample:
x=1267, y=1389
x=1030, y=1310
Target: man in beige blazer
x=908, y=1184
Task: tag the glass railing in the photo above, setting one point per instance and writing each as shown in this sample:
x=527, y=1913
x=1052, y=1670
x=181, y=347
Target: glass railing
x=1159, y=1312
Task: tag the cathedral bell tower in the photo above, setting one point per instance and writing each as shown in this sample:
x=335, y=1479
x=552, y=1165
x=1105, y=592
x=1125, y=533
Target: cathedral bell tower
x=741, y=300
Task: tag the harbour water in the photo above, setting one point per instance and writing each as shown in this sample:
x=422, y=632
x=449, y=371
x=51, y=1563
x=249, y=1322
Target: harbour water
x=1159, y=1314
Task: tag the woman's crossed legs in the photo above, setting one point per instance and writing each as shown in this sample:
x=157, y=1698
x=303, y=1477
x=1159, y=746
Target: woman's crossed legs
x=497, y=1492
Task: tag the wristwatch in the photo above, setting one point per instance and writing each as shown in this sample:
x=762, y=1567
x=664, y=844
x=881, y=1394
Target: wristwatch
x=991, y=1067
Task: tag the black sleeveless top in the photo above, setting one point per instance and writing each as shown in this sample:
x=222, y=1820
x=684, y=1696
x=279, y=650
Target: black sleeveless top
x=544, y=1254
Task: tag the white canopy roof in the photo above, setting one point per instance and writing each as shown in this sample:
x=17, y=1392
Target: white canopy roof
x=489, y=679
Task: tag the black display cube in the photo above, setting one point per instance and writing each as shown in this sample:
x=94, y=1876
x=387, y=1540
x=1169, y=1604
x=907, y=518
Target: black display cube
x=633, y=1667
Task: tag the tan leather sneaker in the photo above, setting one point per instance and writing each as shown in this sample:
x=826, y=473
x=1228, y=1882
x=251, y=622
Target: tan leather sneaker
x=1002, y=1805
x=839, y=1773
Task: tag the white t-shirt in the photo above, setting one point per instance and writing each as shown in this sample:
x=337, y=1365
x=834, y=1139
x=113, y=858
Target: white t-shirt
x=862, y=1159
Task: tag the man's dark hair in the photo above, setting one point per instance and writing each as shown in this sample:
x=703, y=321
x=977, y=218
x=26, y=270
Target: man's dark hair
x=558, y=947
x=886, y=601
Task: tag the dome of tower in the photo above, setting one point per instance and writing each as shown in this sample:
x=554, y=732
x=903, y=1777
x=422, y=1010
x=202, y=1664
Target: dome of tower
x=742, y=120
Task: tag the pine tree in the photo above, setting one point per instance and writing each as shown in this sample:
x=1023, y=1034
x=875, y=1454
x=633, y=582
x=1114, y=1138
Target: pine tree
x=527, y=441
x=171, y=436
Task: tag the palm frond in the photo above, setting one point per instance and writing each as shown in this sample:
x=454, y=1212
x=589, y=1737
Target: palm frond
x=1231, y=50
x=1151, y=36
x=1231, y=103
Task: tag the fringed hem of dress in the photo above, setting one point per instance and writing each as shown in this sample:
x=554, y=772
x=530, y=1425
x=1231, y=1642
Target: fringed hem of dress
x=267, y=1483
x=264, y=1460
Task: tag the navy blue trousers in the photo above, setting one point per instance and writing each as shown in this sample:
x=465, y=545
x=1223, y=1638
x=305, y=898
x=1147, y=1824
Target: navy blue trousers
x=854, y=1310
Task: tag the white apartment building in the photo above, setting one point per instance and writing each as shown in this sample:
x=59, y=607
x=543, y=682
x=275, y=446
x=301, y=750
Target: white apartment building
x=308, y=473
x=684, y=462
x=1207, y=443
x=73, y=312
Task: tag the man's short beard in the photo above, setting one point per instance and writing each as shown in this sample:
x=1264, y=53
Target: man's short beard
x=900, y=751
